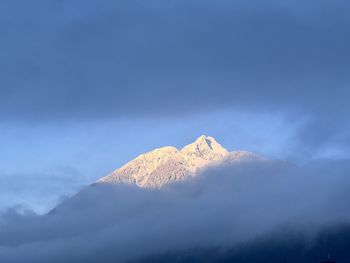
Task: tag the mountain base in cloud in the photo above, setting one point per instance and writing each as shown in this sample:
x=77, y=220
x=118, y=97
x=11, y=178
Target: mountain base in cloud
x=228, y=206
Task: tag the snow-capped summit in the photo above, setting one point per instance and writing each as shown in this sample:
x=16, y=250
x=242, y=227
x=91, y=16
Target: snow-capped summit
x=201, y=152
x=206, y=147
x=164, y=165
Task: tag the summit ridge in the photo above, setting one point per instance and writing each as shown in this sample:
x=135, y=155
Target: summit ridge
x=164, y=165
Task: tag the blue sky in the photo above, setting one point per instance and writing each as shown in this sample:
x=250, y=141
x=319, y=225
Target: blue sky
x=43, y=164
x=87, y=85
x=54, y=161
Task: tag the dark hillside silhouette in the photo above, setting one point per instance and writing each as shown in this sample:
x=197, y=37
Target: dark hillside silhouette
x=290, y=248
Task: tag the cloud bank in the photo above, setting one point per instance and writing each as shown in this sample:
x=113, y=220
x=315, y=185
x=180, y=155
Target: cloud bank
x=78, y=59
x=224, y=206
x=87, y=60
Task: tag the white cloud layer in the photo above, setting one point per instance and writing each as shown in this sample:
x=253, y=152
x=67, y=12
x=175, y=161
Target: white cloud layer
x=221, y=207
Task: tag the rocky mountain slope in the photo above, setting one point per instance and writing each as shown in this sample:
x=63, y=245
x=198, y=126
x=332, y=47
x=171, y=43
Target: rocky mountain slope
x=167, y=164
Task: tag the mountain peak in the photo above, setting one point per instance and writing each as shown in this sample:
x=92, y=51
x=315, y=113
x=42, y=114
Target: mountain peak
x=205, y=146
x=167, y=164
x=204, y=140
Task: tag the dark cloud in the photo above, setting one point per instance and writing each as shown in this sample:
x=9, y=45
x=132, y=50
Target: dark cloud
x=83, y=60
x=222, y=207
x=67, y=59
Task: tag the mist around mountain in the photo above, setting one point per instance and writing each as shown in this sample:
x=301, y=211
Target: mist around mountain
x=247, y=210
